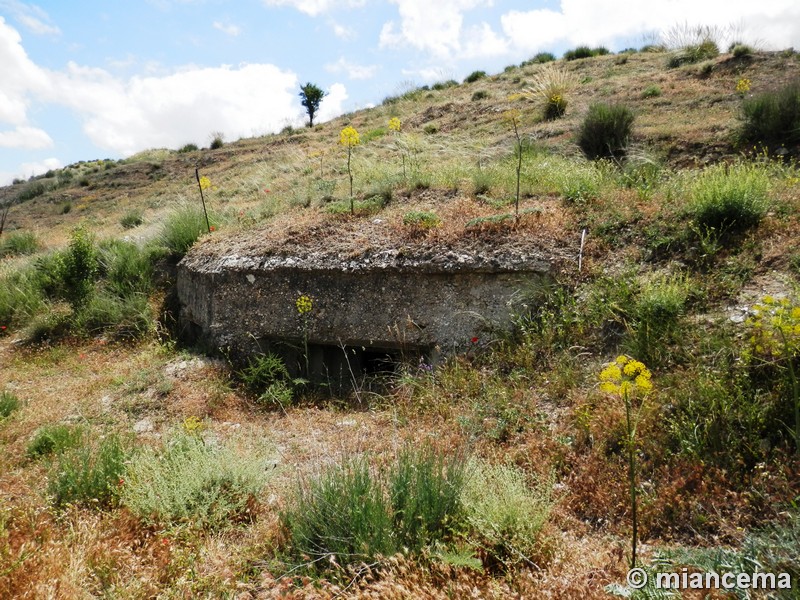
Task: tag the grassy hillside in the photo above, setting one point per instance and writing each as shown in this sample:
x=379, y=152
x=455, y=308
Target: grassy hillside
x=135, y=466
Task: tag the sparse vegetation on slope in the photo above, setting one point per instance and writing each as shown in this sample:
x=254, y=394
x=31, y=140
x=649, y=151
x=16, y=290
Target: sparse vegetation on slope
x=134, y=465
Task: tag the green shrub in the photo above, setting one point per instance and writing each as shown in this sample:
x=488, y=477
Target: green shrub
x=342, y=515
x=430, y=128
x=188, y=148
x=89, y=476
x=18, y=244
x=182, y=228
x=421, y=219
x=729, y=198
x=543, y=57
x=504, y=513
x=77, y=268
x=579, y=52
x=131, y=219
x=443, y=85
x=474, y=76
x=217, y=141
x=9, y=403
x=605, y=131
x=267, y=377
x=192, y=482
x=54, y=440
x=715, y=419
x=741, y=51
x=480, y=95
x=31, y=191
x=772, y=117
x=656, y=318
x=425, y=490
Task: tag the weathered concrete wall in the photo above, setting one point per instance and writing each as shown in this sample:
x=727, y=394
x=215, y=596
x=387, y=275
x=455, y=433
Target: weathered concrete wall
x=393, y=305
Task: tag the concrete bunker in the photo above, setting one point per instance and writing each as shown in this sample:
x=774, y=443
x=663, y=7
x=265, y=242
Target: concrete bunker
x=364, y=315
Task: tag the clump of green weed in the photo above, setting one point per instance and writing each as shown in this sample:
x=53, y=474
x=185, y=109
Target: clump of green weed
x=692, y=44
x=342, y=515
x=131, y=219
x=89, y=476
x=267, y=377
x=505, y=514
x=19, y=243
x=656, y=318
x=420, y=219
x=191, y=481
x=54, y=440
x=605, y=131
x=9, y=403
x=729, y=198
x=480, y=95
x=651, y=91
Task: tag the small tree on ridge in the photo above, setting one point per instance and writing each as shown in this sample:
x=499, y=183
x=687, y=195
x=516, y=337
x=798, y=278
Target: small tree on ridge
x=311, y=96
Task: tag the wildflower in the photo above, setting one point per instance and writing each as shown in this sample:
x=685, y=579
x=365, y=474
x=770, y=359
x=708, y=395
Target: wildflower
x=212, y=228
x=304, y=304
x=121, y=482
x=267, y=190
x=626, y=376
x=743, y=86
x=394, y=124
x=474, y=340
x=349, y=137
x=2, y=327
x=205, y=183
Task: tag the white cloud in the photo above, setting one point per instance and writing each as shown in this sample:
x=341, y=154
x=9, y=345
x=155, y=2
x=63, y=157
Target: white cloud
x=353, y=71
x=30, y=16
x=332, y=103
x=21, y=80
x=316, y=7
x=30, y=138
x=343, y=32
x=29, y=169
x=775, y=22
x=438, y=28
x=227, y=28
x=146, y=112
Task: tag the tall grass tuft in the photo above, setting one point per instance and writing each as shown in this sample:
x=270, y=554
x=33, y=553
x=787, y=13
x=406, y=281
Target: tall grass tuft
x=425, y=489
x=182, y=228
x=9, y=403
x=551, y=86
x=729, y=198
x=19, y=243
x=605, y=131
x=341, y=517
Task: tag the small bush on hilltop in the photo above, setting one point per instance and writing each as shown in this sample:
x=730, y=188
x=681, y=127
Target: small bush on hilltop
x=474, y=76
x=605, y=131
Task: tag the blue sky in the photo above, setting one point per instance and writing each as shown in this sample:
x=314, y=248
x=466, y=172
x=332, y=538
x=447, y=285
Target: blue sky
x=91, y=79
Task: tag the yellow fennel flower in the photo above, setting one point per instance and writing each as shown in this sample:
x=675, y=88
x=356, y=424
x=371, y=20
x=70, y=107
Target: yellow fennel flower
x=349, y=137
x=394, y=124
